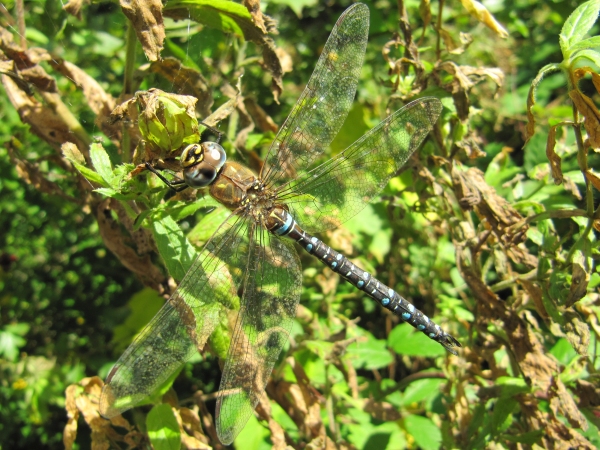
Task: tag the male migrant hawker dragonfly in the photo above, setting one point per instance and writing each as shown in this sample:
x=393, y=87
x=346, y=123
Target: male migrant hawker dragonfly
x=297, y=192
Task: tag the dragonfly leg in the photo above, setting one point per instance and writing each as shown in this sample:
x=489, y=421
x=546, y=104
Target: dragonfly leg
x=176, y=185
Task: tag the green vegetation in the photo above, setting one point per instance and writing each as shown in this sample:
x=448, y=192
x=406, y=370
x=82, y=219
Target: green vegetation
x=491, y=229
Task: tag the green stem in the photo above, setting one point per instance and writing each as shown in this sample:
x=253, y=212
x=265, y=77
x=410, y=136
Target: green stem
x=130, y=47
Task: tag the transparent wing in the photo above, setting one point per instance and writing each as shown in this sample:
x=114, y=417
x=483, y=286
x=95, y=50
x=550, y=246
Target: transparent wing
x=335, y=191
x=323, y=106
x=271, y=295
x=181, y=327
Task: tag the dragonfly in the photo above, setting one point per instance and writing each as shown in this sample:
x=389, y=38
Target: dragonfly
x=298, y=191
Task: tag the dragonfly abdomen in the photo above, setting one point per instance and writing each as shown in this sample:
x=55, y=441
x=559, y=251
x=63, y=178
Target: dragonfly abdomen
x=283, y=224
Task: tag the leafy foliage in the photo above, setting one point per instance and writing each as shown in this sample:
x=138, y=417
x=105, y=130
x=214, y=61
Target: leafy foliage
x=492, y=230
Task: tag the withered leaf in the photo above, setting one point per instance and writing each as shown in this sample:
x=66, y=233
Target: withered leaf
x=44, y=122
x=591, y=115
x=562, y=404
x=481, y=13
x=580, y=278
x=260, y=116
x=147, y=20
x=576, y=331
x=73, y=7
x=593, y=178
x=553, y=158
x=253, y=7
x=186, y=81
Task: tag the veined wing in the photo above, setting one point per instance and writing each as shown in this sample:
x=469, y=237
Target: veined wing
x=181, y=327
x=338, y=189
x=271, y=295
x=323, y=106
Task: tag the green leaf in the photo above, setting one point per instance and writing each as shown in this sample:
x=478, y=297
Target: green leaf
x=73, y=155
x=206, y=226
x=175, y=249
x=223, y=15
x=503, y=408
x=370, y=355
x=578, y=24
x=11, y=340
x=143, y=306
x=584, y=57
x=510, y=386
x=425, y=433
x=589, y=43
x=405, y=340
x=420, y=390
x=163, y=429
x=296, y=5
x=101, y=162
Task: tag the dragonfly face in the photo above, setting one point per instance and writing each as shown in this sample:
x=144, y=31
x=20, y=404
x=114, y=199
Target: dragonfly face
x=298, y=191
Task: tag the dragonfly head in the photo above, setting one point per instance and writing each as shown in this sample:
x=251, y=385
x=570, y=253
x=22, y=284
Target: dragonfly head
x=201, y=163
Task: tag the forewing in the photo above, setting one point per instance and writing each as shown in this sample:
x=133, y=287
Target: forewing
x=323, y=106
x=338, y=189
x=181, y=327
x=271, y=294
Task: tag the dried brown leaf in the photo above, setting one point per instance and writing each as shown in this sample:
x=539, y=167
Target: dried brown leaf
x=481, y=13
x=185, y=81
x=596, y=80
x=451, y=46
x=576, y=331
x=264, y=412
x=593, y=178
x=287, y=64
x=73, y=7
x=591, y=115
x=116, y=242
x=44, y=122
x=535, y=293
x=253, y=7
x=553, y=158
x=562, y=404
x=383, y=411
x=588, y=393
x=259, y=116
x=580, y=278
x=473, y=191
x=99, y=101
x=425, y=12
x=70, y=432
x=311, y=397
x=147, y=19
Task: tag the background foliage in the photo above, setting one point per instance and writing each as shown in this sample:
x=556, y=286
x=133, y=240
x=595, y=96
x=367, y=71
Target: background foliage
x=492, y=231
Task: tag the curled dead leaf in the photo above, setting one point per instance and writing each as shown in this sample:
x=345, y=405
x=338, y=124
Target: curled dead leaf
x=73, y=7
x=553, y=158
x=147, y=20
x=591, y=115
x=593, y=178
x=482, y=14
x=260, y=116
x=185, y=80
x=253, y=7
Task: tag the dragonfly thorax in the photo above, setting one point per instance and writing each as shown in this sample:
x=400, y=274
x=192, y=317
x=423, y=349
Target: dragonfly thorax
x=238, y=188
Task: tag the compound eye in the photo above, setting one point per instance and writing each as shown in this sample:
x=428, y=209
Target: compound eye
x=202, y=163
x=200, y=176
x=214, y=153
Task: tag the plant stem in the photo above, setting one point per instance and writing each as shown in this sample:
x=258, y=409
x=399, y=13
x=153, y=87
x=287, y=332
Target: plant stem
x=130, y=48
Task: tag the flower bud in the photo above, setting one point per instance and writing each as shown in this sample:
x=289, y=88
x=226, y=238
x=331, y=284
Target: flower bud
x=167, y=121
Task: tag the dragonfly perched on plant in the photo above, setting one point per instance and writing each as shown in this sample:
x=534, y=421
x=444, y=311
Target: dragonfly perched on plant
x=298, y=191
